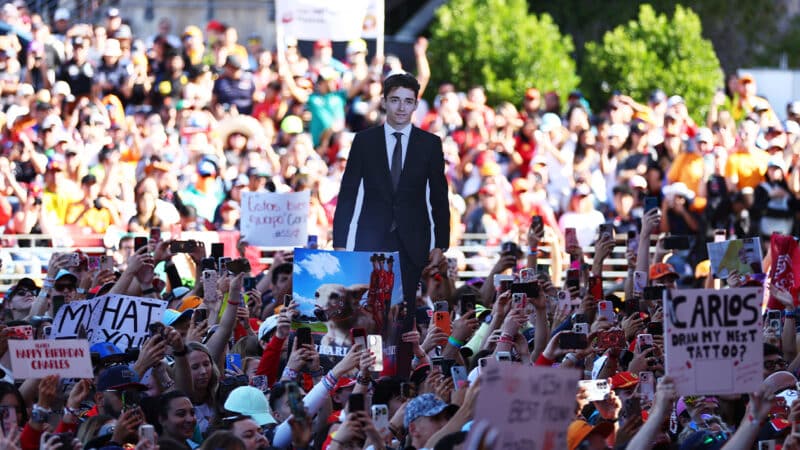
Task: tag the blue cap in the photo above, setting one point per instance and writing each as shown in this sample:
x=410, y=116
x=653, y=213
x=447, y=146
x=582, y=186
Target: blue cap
x=172, y=315
x=206, y=167
x=65, y=273
x=425, y=405
x=117, y=378
x=105, y=349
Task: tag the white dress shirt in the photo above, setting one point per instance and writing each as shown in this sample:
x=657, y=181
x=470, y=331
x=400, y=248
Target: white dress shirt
x=391, y=142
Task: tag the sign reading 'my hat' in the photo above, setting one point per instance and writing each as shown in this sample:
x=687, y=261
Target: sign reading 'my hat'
x=119, y=319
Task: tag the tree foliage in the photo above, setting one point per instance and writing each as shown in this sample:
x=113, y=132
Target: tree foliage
x=655, y=52
x=499, y=45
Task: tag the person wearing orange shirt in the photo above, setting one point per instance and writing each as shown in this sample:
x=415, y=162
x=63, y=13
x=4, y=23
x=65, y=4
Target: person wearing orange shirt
x=747, y=165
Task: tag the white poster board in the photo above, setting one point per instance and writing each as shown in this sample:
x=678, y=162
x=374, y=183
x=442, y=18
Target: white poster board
x=68, y=358
x=713, y=340
x=321, y=19
x=275, y=220
x=529, y=406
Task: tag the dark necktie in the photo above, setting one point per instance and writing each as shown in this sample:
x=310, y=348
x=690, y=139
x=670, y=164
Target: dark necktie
x=397, y=158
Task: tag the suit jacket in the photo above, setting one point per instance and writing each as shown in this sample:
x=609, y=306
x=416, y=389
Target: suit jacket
x=368, y=163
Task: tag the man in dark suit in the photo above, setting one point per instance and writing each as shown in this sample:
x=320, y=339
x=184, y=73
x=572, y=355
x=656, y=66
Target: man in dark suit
x=393, y=174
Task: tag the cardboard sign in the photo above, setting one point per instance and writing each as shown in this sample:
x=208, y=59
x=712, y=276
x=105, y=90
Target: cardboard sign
x=742, y=255
x=119, y=319
x=713, y=340
x=68, y=358
x=530, y=407
x=275, y=220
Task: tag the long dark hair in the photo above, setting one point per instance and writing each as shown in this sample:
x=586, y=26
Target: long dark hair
x=22, y=413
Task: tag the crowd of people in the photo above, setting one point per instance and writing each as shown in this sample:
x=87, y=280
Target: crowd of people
x=123, y=134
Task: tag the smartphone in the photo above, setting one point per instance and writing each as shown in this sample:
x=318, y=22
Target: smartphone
x=653, y=293
x=607, y=339
x=47, y=330
x=182, y=246
x=650, y=203
x=580, y=328
x=355, y=403
x=632, y=407
x=249, y=283
x=380, y=417
x=287, y=300
x=459, y=374
x=237, y=266
x=210, y=285
x=564, y=299
x=536, y=221
x=573, y=279
x=518, y=300
x=94, y=263
x=570, y=237
x=65, y=439
x=233, y=362
x=655, y=328
x=606, y=230
x=633, y=241
x=303, y=336
x=503, y=356
x=720, y=235
x=155, y=235
x=639, y=282
x=58, y=302
x=20, y=332
x=139, y=242
x=222, y=264
x=647, y=386
x=766, y=445
x=200, y=315
x=106, y=263
x=596, y=389
x=296, y=406
x=407, y=390
x=441, y=319
x=530, y=289
x=644, y=342
x=605, y=309
x=502, y=283
x=260, y=382
x=217, y=250
x=312, y=241
x=146, y=431
x=208, y=264
x=359, y=337
x=171, y=270
x=571, y=340
x=676, y=243
x=774, y=320
x=375, y=342
x=596, y=287
x=467, y=303
x=131, y=400
x=509, y=248
x=156, y=329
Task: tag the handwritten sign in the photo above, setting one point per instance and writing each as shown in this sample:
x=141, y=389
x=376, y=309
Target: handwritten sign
x=275, y=220
x=68, y=358
x=119, y=319
x=715, y=332
x=530, y=407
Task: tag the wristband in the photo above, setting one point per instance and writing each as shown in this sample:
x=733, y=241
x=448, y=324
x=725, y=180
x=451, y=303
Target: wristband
x=787, y=314
x=455, y=342
x=505, y=340
x=329, y=381
x=289, y=373
x=149, y=291
x=363, y=380
x=234, y=304
x=71, y=412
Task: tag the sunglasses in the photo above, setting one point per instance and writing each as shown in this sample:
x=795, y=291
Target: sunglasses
x=775, y=363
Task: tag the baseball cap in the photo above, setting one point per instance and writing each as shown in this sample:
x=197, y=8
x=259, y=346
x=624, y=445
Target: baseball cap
x=172, y=315
x=107, y=352
x=624, y=380
x=206, y=168
x=124, y=32
x=233, y=61
x=356, y=46
x=117, y=378
x=532, y=93
x=674, y=100
x=23, y=283
x=61, y=14
x=746, y=77
x=679, y=188
x=580, y=429
x=64, y=273
x=425, y=405
x=112, y=12
x=657, y=96
x=704, y=135
x=250, y=401
x=190, y=302
x=269, y=324
x=661, y=270
x=550, y=121
x=344, y=383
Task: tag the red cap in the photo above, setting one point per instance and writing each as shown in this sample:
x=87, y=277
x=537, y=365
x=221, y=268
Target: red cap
x=215, y=25
x=322, y=43
x=660, y=270
x=344, y=382
x=623, y=380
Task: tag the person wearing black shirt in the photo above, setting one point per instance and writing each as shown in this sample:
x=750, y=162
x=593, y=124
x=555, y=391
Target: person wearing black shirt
x=78, y=72
x=234, y=87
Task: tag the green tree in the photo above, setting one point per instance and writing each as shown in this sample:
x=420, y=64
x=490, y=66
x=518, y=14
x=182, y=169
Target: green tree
x=655, y=52
x=499, y=45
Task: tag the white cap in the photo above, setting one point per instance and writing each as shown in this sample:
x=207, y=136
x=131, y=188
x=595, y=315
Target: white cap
x=61, y=14
x=674, y=100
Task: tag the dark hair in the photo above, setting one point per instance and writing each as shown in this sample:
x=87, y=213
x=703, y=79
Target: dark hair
x=285, y=268
x=278, y=390
x=165, y=399
x=404, y=80
x=223, y=439
x=8, y=388
x=770, y=350
x=386, y=389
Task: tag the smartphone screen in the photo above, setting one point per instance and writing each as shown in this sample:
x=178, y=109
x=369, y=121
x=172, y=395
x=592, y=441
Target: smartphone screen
x=355, y=403
x=58, y=302
x=650, y=203
x=304, y=336
x=139, y=242
x=376, y=347
x=217, y=250
x=359, y=336
x=467, y=303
